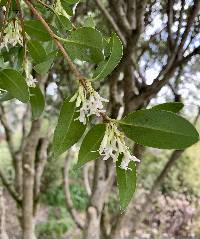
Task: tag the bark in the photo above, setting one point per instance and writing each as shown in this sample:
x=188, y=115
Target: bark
x=69, y=202
x=28, y=180
x=101, y=189
x=3, y=233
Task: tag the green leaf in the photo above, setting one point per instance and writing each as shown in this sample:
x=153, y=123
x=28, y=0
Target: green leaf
x=85, y=44
x=63, y=23
x=13, y=82
x=43, y=67
x=36, y=51
x=90, y=145
x=37, y=102
x=89, y=22
x=126, y=181
x=170, y=106
x=68, y=6
x=159, y=129
x=36, y=30
x=68, y=130
x=106, y=67
x=5, y=96
x=71, y=1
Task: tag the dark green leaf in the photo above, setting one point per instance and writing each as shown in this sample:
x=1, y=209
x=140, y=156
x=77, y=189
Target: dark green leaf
x=126, y=181
x=36, y=30
x=37, y=102
x=63, y=23
x=106, y=67
x=85, y=44
x=71, y=1
x=5, y=96
x=36, y=50
x=159, y=129
x=13, y=82
x=68, y=6
x=43, y=67
x=171, y=106
x=90, y=145
x=68, y=130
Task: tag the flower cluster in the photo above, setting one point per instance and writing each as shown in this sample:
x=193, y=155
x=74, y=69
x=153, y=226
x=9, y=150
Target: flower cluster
x=113, y=145
x=31, y=82
x=12, y=35
x=89, y=102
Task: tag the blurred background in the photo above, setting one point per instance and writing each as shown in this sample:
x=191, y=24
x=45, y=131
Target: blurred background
x=161, y=64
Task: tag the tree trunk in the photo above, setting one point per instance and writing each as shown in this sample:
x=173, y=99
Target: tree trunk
x=3, y=234
x=100, y=192
x=28, y=180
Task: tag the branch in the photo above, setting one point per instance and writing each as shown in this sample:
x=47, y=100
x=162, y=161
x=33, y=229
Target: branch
x=69, y=203
x=72, y=66
x=180, y=22
x=111, y=21
x=8, y=186
x=8, y=132
x=122, y=17
x=40, y=165
x=86, y=179
x=187, y=58
x=141, y=6
x=193, y=13
x=169, y=24
x=131, y=12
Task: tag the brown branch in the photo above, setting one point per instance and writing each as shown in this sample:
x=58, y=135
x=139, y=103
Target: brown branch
x=28, y=178
x=131, y=13
x=69, y=203
x=8, y=132
x=39, y=167
x=10, y=189
x=192, y=15
x=111, y=20
x=123, y=18
x=180, y=22
x=72, y=66
x=169, y=25
x=86, y=179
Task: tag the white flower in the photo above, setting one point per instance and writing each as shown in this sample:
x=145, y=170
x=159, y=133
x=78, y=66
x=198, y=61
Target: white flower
x=4, y=8
x=31, y=82
x=12, y=35
x=113, y=144
x=89, y=101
